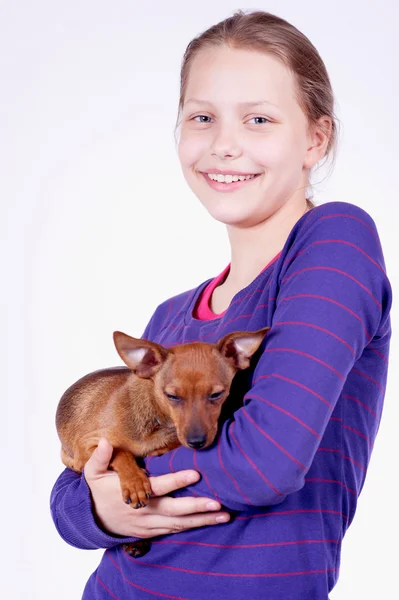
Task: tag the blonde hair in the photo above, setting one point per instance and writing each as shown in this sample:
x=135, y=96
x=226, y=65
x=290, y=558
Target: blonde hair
x=265, y=32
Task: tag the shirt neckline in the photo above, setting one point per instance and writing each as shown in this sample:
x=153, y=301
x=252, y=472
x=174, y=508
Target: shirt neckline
x=204, y=309
x=190, y=319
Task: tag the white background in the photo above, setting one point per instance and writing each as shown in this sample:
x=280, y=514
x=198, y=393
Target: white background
x=98, y=226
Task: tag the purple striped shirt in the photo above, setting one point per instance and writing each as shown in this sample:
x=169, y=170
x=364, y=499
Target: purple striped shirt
x=295, y=438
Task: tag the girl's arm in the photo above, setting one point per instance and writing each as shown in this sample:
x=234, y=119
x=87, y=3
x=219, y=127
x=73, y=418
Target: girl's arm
x=333, y=299
x=72, y=512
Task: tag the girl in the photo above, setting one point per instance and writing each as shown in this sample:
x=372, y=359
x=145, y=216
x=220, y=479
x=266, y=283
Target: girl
x=291, y=458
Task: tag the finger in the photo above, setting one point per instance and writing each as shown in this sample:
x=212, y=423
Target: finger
x=164, y=484
x=176, y=507
x=165, y=525
x=99, y=460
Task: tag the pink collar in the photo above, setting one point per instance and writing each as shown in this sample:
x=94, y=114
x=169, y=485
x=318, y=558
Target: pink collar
x=203, y=311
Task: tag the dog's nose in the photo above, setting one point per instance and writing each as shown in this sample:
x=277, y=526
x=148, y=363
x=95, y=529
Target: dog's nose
x=196, y=441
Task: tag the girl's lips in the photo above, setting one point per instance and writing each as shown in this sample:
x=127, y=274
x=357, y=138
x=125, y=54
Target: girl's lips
x=228, y=187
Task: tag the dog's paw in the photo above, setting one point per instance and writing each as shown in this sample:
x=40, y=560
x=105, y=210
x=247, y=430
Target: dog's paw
x=137, y=549
x=136, y=489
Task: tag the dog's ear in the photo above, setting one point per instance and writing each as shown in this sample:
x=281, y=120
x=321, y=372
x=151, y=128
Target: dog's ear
x=239, y=346
x=144, y=358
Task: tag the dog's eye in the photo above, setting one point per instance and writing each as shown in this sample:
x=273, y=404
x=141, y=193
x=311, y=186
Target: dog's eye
x=172, y=397
x=216, y=395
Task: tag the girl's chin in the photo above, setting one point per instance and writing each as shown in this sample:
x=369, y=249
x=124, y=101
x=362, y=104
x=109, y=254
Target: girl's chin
x=227, y=216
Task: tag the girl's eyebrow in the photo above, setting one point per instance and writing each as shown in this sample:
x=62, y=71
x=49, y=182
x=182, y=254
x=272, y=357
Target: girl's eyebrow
x=241, y=104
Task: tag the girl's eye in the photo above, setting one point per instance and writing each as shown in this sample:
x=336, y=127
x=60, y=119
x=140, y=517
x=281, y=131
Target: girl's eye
x=200, y=117
x=264, y=118
x=206, y=117
x=216, y=395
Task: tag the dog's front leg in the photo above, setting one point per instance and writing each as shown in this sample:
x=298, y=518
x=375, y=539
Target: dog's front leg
x=135, y=485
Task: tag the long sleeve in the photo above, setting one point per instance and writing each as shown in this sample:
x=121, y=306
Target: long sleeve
x=73, y=516
x=331, y=299
x=72, y=508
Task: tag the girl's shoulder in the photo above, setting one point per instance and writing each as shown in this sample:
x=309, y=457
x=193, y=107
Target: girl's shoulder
x=338, y=220
x=338, y=237
x=338, y=210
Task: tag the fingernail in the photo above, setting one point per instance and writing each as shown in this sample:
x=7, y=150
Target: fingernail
x=212, y=505
x=221, y=519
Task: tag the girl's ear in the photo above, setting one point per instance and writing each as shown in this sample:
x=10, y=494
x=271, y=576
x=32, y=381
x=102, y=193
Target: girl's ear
x=319, y=136
x=142, y=357
x=239, y=346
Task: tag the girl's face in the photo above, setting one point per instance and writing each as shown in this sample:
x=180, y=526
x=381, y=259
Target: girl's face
x=221, y=130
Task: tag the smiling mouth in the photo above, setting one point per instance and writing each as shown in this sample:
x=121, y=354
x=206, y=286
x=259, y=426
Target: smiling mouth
x=210, y=174
x=226, y=186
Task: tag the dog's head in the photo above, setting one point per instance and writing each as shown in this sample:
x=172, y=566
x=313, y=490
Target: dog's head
x=191, y=381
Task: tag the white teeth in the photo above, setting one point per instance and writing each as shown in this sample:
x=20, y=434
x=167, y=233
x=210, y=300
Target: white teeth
x=228, y=178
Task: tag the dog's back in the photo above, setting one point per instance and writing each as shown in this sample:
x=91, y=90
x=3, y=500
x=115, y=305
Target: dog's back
x=82, y=404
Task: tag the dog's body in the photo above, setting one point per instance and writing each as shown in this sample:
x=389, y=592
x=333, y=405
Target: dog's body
x=167, y=397
x=100, y=405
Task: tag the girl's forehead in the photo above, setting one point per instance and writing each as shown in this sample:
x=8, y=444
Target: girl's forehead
x=227, y=60
x=225, y=77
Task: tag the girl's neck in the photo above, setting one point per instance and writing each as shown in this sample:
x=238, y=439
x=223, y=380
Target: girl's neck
x=252, y=248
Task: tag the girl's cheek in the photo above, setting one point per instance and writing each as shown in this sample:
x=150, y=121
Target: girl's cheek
x=191, y=148
x=184, y=150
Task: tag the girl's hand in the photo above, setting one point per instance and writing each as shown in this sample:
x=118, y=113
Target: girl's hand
x=161, y=516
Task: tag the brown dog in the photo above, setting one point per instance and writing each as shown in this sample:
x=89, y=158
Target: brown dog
x=166, y=397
